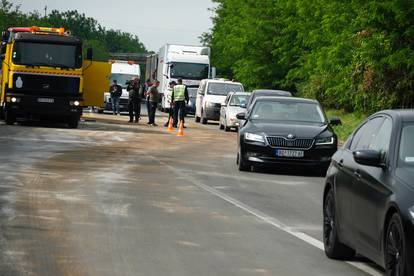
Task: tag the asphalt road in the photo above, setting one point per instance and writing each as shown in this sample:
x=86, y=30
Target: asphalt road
x=111, y=198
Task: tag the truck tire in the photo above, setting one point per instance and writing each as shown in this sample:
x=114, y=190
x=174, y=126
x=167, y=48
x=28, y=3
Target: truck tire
x=9, y=117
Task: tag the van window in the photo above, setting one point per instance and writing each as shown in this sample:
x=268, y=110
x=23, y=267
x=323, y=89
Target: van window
x=223, y=89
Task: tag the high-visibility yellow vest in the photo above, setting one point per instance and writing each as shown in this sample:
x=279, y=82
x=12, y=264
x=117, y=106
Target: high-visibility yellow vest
x=179, y=93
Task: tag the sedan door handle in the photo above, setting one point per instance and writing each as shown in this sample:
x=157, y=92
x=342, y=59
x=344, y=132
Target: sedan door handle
x=357, y=175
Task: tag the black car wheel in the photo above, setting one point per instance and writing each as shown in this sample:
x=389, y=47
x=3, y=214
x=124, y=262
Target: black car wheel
x=395, y=249
x=203, y=119
x=73, y=122
x=10, y=118
x=243, y=166
x=333, y=248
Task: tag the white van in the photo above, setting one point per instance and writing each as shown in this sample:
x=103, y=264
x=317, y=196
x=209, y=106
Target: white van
x=122, y=71
x=211, y=95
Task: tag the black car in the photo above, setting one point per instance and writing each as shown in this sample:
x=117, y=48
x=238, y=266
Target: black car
x=369, y=194
x=267, y=92
x=192, y=95
x=285, y=130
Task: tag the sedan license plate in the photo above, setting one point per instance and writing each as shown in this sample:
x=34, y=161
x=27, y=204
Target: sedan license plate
x=290, y=153
x=45, y=100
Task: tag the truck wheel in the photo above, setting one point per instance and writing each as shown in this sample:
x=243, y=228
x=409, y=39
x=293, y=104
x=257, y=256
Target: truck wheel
x=100, y=110
x=73, y=122
x=10, y=118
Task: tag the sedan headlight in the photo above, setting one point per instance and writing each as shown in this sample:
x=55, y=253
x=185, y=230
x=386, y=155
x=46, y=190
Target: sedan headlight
x=253, y=137
x=325, y=141
x=411, y=211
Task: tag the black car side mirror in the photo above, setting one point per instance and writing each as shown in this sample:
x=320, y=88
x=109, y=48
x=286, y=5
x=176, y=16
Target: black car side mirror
x=368, y=158
x=335, y=121
x=241, y=116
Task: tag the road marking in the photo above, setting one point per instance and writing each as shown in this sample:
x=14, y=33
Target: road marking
x=266, y=218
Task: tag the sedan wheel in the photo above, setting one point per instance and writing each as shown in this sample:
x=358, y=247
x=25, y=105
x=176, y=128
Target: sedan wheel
x=243, y=167
x=333, y=248
x=395, y=254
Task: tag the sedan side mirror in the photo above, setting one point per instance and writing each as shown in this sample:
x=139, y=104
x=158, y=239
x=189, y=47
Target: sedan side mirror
x=241, y=116
x=335, y=121
x=368, y=158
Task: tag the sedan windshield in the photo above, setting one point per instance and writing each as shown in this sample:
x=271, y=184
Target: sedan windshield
x=407, y=146
x=44, y=54
x=239, y=100
x=191, y=71
x=288, y=111
x=223, y=88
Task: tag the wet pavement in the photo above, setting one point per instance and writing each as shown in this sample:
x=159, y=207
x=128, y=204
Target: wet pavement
x=113, y=198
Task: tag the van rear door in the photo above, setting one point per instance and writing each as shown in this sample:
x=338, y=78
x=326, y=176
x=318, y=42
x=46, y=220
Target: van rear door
x=96, y=76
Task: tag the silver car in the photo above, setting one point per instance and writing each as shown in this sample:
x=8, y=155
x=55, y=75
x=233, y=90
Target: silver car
x=235, y=103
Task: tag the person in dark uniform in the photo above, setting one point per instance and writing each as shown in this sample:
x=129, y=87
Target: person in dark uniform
x=134, y=89
x=115, y=91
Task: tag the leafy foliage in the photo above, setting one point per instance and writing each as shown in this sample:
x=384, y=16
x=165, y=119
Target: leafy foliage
x=353, y=55
x=103, y=41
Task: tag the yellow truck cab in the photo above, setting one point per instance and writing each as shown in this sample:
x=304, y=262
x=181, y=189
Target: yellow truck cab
x=44, y=76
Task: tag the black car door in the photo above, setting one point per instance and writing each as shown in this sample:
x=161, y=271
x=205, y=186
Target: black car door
x=370, y=190
x=344, y=183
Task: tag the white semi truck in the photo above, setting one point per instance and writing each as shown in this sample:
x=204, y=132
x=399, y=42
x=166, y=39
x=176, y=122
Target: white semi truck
x=173, y=62
x=121, y=71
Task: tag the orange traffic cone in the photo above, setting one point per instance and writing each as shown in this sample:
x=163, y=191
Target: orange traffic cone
x=181, y=129
x=170, y=125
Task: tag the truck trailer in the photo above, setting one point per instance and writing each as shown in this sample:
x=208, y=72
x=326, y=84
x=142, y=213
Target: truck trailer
x=173, y=62
x=44, y=76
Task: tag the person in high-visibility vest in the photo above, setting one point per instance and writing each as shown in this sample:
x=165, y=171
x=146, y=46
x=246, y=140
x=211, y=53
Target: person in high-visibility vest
x=179, y=98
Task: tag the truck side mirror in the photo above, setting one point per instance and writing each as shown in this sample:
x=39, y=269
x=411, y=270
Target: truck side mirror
x=89, y=53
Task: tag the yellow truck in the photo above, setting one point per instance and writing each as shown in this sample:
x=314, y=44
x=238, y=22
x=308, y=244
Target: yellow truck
x=44, y=76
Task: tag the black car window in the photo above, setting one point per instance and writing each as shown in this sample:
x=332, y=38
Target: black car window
x=366, y=134
x=406, y=153
x=382, y=139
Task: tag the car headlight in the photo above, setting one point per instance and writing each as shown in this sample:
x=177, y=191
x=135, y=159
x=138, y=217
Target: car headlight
x=325, y=141
x=411, y=211
x=253, y=137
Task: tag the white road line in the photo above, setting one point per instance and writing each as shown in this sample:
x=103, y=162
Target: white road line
x=268, y=219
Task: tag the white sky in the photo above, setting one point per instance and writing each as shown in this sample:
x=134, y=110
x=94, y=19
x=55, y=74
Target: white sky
x=155, y=22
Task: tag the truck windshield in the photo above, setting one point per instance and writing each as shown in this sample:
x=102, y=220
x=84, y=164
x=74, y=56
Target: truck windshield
x=223, y=88
x=191, y=71
x=45, y=54
x=122, y=79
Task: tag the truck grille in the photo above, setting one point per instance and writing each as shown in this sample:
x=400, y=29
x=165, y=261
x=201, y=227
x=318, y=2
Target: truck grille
x=45, y=84
x=299, y=143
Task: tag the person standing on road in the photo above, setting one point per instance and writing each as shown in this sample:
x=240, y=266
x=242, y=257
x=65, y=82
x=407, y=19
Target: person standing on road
x=134, y=89
x=179, y=98
x=147, y=86
x=170, y=113
x=116, y=92
x=152, y=94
